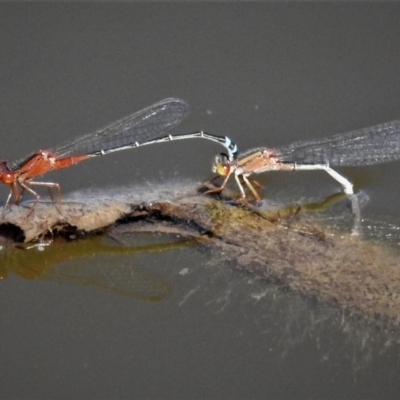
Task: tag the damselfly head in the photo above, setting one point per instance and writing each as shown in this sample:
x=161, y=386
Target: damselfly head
x=7, y=177
x=221, y=165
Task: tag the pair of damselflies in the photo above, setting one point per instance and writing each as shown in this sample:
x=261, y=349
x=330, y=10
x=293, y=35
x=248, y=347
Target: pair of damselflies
x=374, y=145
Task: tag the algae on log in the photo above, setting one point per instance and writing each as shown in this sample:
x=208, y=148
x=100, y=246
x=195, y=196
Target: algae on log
x=297, y=252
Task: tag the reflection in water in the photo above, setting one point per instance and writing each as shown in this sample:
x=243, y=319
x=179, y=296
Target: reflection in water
x=78, y=262
x=282, y=322
x=114, y=276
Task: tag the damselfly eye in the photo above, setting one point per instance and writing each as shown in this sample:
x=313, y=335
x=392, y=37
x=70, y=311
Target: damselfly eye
x=7, y=177
x=222, y=169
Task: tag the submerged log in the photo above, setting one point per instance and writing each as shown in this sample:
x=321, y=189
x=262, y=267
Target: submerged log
x=285, y=246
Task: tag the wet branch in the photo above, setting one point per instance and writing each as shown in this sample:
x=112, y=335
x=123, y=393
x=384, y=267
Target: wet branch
x=282, y=246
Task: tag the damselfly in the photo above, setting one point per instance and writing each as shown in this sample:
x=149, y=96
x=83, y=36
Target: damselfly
x=141, y=128
x=368, y=146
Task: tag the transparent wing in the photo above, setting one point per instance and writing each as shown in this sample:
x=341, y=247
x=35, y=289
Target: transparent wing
x=368, y=146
